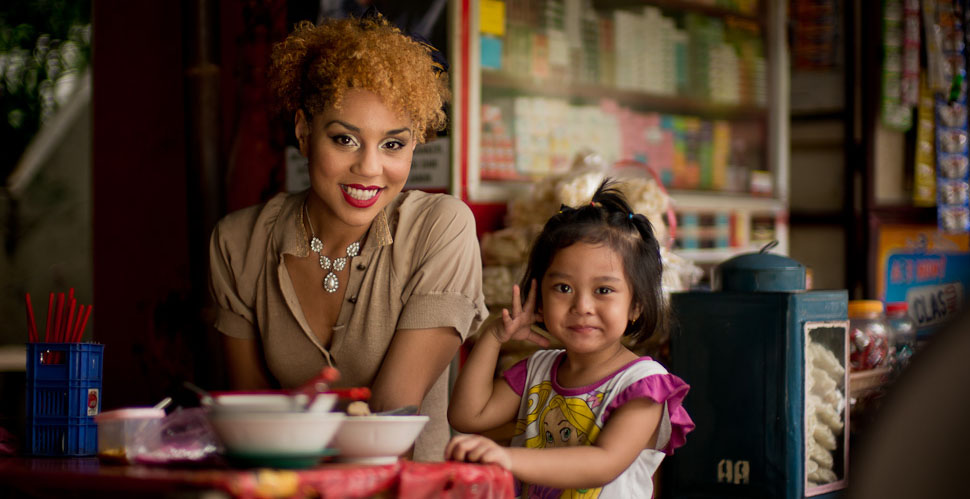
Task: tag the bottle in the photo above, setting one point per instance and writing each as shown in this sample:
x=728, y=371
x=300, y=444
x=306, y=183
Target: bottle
x=870, y=345
x=903, y=329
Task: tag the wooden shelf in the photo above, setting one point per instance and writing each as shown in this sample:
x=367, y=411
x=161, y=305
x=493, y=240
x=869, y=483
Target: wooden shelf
x=688, y=200
x=829, y=217
x=679, y=6
x=904, y=214
x=493, y=81
x=861, y=382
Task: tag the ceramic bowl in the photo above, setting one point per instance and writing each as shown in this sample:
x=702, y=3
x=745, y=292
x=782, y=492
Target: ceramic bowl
x=376, y=439
x=275, y=433
x=269, y=402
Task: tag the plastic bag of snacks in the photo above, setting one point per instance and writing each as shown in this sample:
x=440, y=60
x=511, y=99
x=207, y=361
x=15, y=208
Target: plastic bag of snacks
x=952, y=187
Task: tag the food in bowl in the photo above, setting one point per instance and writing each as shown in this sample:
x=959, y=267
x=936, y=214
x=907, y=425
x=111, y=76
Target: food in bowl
x=275, y=433
x=270, y=402
x=377, y=439
x=358, y=408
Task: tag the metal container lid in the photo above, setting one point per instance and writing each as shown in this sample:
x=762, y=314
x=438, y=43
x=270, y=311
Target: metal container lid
x=760, y=272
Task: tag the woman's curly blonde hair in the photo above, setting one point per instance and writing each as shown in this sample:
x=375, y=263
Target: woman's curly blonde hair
x=313, y=68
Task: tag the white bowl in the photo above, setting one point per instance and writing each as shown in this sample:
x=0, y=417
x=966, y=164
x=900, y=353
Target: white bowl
x=377, y=439
x=275, y=433
x=269, y=402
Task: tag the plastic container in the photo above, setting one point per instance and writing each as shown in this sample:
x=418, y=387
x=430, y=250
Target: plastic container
x=870, y=343
x=63, y=394
x=124, y=434
x=903, y=329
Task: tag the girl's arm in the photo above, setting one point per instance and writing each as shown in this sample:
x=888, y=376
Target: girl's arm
x=480, y=402
x=414, y=361
x=631, y=429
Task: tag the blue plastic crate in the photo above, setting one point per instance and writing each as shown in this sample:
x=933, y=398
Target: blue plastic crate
x=63, y=394
x=63, y=399
x=62, y=436
x=64, y=361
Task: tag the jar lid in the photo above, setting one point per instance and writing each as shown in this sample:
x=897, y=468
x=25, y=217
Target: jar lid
x=131, y=413
x=760, y=271
x=861, y=308
x=897, y=307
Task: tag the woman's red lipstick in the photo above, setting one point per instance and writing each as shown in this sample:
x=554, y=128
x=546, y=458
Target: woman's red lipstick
x=360, y=203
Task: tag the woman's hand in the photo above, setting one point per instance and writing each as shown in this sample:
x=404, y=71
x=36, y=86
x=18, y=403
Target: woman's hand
x=517, y=325
x=477, y=449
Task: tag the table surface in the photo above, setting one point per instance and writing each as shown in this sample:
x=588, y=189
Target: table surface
x=87, y=476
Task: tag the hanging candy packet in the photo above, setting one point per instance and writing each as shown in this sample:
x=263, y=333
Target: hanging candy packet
x=924, y=175
x=952, y=187
x=896, y=113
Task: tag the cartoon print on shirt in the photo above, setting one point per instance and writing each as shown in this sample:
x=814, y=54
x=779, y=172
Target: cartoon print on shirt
x=559, y=422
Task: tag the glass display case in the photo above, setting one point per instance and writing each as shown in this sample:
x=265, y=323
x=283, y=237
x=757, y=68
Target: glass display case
x=694, y=91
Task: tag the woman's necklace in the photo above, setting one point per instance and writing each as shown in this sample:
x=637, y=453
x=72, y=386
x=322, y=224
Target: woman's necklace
x=330, y=281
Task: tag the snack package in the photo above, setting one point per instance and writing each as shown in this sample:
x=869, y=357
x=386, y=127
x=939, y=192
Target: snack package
x=184, y=438
x=952, y=187
x=896, y=114
x=924, y=175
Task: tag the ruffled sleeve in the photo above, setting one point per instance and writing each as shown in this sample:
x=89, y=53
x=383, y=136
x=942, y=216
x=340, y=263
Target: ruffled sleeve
x=661, y=388
x=516, y=376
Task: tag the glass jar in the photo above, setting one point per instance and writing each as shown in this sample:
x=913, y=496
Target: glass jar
x=870, y=344
x=903, y=329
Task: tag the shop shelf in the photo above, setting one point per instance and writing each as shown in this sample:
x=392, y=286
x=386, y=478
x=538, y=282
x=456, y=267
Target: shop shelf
x=498, y=81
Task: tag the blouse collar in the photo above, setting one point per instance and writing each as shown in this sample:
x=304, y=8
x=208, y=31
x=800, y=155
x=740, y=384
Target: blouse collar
x=292, y=238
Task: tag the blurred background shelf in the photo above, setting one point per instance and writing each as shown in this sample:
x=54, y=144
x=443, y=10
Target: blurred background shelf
x=496, y=81
x=704, y=8
x=694, y=91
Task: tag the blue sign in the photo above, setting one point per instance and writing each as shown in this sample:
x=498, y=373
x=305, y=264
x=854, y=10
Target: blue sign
x=932, y=284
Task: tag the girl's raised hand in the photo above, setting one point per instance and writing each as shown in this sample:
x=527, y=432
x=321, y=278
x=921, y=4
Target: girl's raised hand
x=517, y=325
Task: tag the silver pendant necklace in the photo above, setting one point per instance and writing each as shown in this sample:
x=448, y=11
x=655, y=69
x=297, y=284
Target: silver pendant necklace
x=330, y=281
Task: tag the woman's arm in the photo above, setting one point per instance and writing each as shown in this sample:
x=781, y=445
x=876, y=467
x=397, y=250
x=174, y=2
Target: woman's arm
x=245, y=364
x=631, y=429
x=414, y=361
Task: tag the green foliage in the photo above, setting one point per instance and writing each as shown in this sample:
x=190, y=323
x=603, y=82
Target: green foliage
x=45, y=45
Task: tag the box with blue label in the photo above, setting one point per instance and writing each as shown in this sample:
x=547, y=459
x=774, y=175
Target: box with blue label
x=932, y=284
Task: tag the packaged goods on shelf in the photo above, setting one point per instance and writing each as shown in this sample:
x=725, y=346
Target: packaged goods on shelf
x=952, y=152
x=636, y=49
x=527, y=137
x=491, y=52
x=703, y=230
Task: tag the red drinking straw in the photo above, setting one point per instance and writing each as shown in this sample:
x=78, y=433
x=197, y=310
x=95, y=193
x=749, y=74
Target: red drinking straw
x=31, y=323
x=84, y=324
x=50, y=309
x=66, y=334
x=72, y=329
x=60, y=316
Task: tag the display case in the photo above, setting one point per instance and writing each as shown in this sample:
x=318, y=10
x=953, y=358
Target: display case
x=695, y=92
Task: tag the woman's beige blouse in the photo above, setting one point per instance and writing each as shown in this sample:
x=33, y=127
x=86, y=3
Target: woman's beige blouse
x=420, y=267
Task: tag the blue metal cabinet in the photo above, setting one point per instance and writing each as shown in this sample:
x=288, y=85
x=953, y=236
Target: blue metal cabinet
x=744, y=355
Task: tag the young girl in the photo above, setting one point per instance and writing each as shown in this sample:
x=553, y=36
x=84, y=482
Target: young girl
x=594, y=419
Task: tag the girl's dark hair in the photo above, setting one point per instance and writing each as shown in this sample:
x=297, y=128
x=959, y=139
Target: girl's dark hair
x=607, y=220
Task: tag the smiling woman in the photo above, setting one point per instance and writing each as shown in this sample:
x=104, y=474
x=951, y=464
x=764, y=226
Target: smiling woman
x=353, y=273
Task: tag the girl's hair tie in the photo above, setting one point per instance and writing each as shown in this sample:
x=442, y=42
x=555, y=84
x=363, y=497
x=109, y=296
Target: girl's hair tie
x=630, y=216
x=594, y=204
